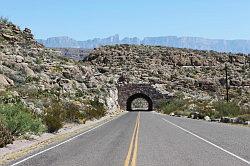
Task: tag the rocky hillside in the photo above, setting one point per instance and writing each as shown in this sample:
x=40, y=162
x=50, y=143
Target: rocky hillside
x=35, y=74
x=41, y=89
x=197, y=74
x=29, y=69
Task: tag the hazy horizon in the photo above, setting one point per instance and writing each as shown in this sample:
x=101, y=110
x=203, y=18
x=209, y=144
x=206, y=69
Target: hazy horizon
x=141, y=38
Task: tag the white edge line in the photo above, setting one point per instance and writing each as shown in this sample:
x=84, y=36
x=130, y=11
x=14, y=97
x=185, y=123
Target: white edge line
x=232, y=154
x=41, y=152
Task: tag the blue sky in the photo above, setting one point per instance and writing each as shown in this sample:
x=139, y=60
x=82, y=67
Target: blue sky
x=84, y=19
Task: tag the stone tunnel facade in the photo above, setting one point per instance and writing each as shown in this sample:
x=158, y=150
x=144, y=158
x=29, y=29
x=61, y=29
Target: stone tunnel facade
x=146, y=91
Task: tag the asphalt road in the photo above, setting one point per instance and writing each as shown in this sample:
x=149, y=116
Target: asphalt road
x=148, y=138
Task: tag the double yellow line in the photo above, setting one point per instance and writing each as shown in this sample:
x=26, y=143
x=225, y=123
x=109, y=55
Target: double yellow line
x=131, y=159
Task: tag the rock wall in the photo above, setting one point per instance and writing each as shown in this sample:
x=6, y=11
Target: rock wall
x=112, y=100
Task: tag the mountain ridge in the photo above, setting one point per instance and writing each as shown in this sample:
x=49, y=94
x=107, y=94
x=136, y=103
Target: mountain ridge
x=200, y=43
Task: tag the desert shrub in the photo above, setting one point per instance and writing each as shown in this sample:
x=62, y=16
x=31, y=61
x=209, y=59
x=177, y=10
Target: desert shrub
x=79, y=93
x=173, y=106
x=204, y=108
x=72, y=113
x=8, y=97
x=227, y=108
x=97, y=110
x=39, y=60
x=32, y=79
x=5, y=135
x=19, y=120
x=54, y=117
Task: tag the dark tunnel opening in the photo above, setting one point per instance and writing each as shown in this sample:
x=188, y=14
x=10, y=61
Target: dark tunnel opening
x=129, y=104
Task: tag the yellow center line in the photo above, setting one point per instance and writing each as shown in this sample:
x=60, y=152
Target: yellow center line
x=134, y=139
x=131, y=145
x=133, y=163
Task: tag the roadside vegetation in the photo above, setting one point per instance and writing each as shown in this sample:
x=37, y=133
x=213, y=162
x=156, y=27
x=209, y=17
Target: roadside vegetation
x=18, y=120
x=199, y=109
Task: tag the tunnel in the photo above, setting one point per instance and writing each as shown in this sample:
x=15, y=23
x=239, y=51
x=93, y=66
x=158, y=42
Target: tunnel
x=136, y=96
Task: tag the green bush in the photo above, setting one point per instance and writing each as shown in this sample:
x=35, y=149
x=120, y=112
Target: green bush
x=19, y=120
x=54, y=117
x=227, y=108
x=5, y=135
x=97, y=110
x=173, y=106
x=72, y=113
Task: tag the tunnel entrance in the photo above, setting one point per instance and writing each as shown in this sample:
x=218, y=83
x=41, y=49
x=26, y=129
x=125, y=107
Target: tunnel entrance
x=129, y=92
x=139, y=102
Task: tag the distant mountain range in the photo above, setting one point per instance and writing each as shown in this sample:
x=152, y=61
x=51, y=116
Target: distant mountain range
x=235, y=46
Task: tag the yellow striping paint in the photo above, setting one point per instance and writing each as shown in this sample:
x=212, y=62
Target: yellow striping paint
x=133, y=163
x=127, y=160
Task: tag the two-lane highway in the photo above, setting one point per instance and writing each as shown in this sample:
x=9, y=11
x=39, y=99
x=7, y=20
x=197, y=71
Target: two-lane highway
x=149, y=138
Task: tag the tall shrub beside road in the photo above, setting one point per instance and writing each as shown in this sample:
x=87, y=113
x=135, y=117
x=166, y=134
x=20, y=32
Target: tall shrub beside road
x=96, y=110
x=227, y=109
x=5, y=135
x=54, y=117
x=176, y=105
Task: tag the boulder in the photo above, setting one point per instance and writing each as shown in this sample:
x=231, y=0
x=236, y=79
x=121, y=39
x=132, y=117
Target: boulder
x=8, y=37
x=28, y=71
x=37, y=111
x=5, y=81
x=172, y=114
x=196, y=115
x=19, y=59
x=207, y=118
x=225, y=120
